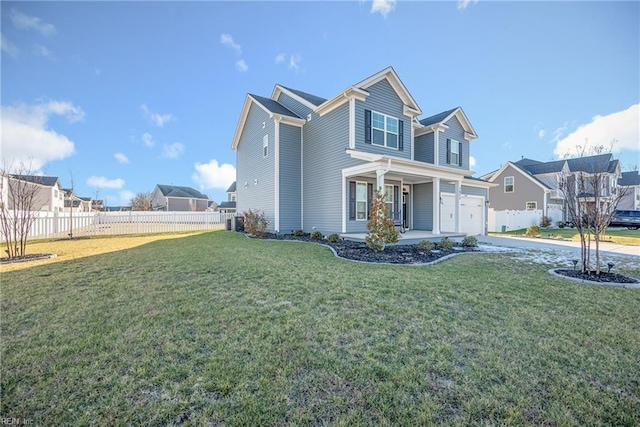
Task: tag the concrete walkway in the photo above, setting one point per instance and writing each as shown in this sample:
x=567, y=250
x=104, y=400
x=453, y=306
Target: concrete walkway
x=533, y=243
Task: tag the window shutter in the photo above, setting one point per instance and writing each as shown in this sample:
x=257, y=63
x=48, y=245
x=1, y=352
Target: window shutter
x=448, y=151
x=369, y=198
x=352, y=200
x=367, y=126
x=400, y=135
x=395, y=199
x=459, y=153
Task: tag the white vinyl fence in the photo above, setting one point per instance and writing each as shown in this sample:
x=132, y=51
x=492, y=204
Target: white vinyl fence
x=60, y=224
x=514, y=220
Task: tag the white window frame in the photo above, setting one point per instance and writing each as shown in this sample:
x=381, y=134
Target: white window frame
x=385, y=130
x=388, y=198
x=366, y=202
x=535, y=206
x=513, y=184
x=265, y=146
x=456, y=144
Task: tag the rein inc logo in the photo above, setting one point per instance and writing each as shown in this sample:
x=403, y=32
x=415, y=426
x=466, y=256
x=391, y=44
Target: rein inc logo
x=10, y=421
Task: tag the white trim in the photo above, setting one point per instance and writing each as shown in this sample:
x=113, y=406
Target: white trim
x=302, y=179
x=436, y=211
x=338, y=100
x=458, y=191
x=436, y=147
x=413, y=143
x=385, y=131
x=504, y=184
x=279, y=89
x=265, y=138
x=410, y=112
x=344, y=202
x=390, y=74
x=352, y=123
x=366, y=202
x=276, y=162
x=451, y=142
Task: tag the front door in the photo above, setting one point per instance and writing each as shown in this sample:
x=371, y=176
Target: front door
x=405, y=218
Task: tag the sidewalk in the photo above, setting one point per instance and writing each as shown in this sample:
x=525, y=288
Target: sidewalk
x=533, y=243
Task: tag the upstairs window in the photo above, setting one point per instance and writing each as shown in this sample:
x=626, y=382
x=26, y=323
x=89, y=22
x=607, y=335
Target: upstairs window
x=383, y=130
x=532, y=206
x=388, y=199
x=508, y=184
x=454, y=148
x=265, y=146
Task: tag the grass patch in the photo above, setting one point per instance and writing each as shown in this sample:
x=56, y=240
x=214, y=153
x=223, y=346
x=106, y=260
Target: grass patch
x=618, y=235
x=222, y=330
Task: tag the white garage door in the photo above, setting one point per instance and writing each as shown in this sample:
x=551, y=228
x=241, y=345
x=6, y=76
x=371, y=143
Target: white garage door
x=471, y=218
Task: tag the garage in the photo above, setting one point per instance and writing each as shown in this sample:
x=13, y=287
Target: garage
x=471, y=214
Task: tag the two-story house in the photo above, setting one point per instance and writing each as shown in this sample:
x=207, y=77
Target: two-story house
x=529, y=189
x=178, y=198
x=229, y=205
x=47, y=194
x=630, y=181
x=312, y=163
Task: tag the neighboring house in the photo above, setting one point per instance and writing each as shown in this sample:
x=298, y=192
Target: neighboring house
x=312, y=163
x=75, y=203
x=528, y=189
x=98, y=205
x=48, y=197
x=176, y=198
x=630, y=181
x=229, y=206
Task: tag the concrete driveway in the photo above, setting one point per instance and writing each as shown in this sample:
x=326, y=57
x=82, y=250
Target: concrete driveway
x=533, y=243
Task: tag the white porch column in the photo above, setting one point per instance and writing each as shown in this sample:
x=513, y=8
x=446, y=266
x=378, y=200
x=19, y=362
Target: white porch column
x=344, y=203
x=380, y=179
x=435, y=228
x=458, y=189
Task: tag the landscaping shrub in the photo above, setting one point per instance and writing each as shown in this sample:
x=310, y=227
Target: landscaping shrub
x=333, y=238
x=470, y=242
x=382, y=229
x=316, y=235
x=425, y=245
x=562, y=224
x=298, y=233
x=533, y=231
x=545, y=222
x=445, y=244
x=255, y=222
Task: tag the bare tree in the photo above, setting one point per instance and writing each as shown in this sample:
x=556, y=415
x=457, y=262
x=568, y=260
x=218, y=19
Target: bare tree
x=142, y=202
x=20, y=209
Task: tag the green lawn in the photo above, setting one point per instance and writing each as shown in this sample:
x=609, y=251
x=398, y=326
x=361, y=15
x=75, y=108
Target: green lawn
x=622, y=236
x=217, y=329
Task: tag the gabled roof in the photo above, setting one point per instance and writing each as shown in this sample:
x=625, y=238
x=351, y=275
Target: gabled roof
x=602, y=163
x=629, y=178
x=178, y=191
x=273, y=107
x=313, y=99
x=437, y=118
x=535, y=168
x=392, y=77
x=47, y=181
x=227, y=205
x=232, y=188
x=522, y=171
x=445, y=116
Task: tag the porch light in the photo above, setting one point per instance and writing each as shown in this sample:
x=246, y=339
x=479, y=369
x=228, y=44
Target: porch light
x=610, y=266
x=486, y=202
x=575, y=263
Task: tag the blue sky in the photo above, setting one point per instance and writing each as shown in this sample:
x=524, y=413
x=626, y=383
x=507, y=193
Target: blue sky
x=126, y=95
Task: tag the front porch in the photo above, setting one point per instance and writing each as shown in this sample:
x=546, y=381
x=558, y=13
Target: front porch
x=410, y=237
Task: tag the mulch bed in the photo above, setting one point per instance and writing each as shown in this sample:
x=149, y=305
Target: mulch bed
x=393, y=254
x=603, y=277
x=30, y=257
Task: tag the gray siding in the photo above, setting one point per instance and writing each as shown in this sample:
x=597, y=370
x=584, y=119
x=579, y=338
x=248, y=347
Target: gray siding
x=474, y=191
x=455, y=132
x=180, y=204
x=383, y=99
x=525, y=191
x=423, y=150
x=325, y=140
x=294, y=105
x=251, y=165
x=290, y=178
x=423, y=206
x=354, y=226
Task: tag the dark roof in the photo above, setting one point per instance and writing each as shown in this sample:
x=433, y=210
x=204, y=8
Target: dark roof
x=534, y=167
x=85, y=199
x=67, y=203
x=593, y=164
x=473, y=178
x=274, y=106
x=232, y=188
x=315, y=100
x=227, y=205
x=47, y=181
x=177, y=191
x=629, y=178
x=526, y=172
x=437, y=118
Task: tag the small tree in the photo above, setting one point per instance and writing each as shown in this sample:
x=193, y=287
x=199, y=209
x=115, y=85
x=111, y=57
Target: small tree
x=19, y=206
x=142, y=202
x=382, y=229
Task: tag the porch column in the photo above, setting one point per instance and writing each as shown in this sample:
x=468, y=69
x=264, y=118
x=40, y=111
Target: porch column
x=458, y=189
x=435, y=227
x=380, y=179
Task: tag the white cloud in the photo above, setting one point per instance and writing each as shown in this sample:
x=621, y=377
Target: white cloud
x=227, y=40
x=294, y=62
x=384, y=7
x=541, y=133
x=43, y=51
x=242, y=66
x=213, y=175
x=472, y=161
x=22, y=123
x=172, y=151
x=121, y=158
x=125, y=197
x=102, y=182
x=26, y=22
x=622, y=126
x=156, y=118
x=8, y=47
x=506, y=145
x=147, y=139
x=280, y=58
x=462, y=4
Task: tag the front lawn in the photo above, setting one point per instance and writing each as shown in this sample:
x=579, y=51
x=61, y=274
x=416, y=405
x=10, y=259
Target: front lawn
x=622, y=236
x=218, y=329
